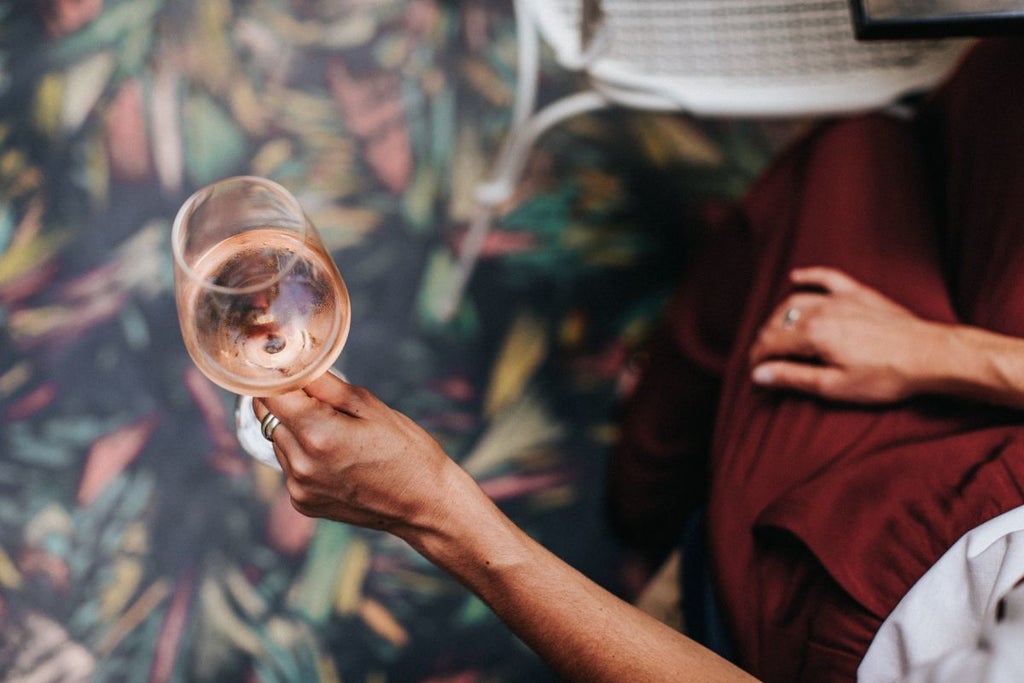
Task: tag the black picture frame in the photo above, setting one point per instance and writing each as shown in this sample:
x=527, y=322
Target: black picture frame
x=881, y=19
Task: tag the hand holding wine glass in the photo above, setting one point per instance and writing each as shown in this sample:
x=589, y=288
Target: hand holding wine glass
x=262, y=307
x=264, y=311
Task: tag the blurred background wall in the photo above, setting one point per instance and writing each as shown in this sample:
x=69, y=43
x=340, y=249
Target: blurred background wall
x=137, y=542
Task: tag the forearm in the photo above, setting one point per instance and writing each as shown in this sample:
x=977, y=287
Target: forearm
x=351, y=458
x=972, y=363
x=584, y=632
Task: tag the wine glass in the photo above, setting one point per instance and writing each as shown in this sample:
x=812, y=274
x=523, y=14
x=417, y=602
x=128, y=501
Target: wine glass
x=262, y=307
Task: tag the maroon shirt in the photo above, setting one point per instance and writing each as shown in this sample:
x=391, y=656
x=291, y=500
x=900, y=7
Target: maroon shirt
x=822, y=516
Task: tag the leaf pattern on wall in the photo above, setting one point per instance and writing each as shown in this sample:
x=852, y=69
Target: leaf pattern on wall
x=137, y=541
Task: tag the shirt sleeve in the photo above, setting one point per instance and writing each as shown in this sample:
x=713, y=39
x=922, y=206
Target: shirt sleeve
x=963, y=621
x=995, y=656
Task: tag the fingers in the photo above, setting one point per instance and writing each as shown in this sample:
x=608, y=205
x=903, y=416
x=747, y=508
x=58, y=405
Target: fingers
x=794, y=309
x=313, y=417
x=347, y=398
x=297, y=410
x=784, y=333
x=829, y=279
x=790, y=330
x=280, y=435
x=805, y=377
x=324, y=396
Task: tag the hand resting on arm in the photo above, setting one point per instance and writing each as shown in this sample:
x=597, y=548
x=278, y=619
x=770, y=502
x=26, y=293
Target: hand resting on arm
x=850, y=343
x=349, y=457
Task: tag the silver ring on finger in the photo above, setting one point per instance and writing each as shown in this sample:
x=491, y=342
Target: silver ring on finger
x=790, y=317
x=268, y=424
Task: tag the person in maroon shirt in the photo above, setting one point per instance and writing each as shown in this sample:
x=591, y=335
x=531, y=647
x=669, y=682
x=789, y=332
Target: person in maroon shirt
x=838, y=382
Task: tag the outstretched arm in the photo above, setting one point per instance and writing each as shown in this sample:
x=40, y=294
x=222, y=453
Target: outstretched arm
x=848, y=342
x=349, y=457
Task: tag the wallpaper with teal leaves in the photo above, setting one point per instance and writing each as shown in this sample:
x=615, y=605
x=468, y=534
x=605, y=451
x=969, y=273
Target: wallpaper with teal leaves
x=137, y=541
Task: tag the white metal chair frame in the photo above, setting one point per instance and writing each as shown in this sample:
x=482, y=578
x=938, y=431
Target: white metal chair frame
x=586, y=37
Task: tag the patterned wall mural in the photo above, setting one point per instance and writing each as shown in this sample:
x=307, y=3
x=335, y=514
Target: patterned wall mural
x=137, y=541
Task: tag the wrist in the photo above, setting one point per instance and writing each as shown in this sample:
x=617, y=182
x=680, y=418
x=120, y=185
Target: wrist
x=971, y=363
x=938, y=361
x=464, y=532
